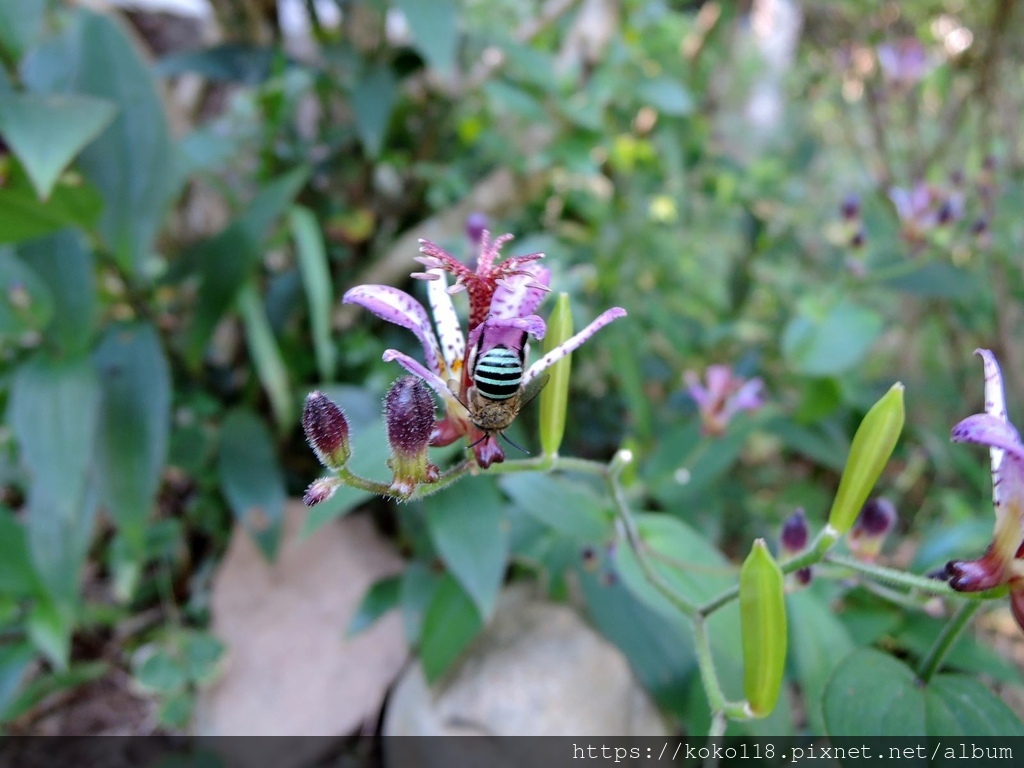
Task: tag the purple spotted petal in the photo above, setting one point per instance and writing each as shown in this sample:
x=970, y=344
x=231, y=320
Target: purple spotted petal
x=572, y=343
x=987, y=430
x=748, y=397
x=449, y=330
x=435, y=382
x=400, y=308
x=520, y=295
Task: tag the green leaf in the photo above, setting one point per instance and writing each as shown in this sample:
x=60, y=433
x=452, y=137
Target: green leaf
x=202, y=654
x=23, y=216
x=266, y=355
x=316, y=278
x=54, y=411
x=832, y=343
x=251, y=478
x=176, y=710
x=958, y=705
x=49, y=627
x=691, y=564
x=46, y=131
x=132, y=162
x=66, y=267
x=435, y=31
x=384, y=596
x=938, y=280
x=17, y=576
x=135, y=422
x=818, y=642
x=419, y=583
x=15, y=664
x=667, y=96
x=570, y=508
x=468, y=527
x=26, y=305
x=373, y=98
x=227, y=63
x=161, y=672
x=48, y=685
x=20, y=24
x=450, y=623
x=872, y=694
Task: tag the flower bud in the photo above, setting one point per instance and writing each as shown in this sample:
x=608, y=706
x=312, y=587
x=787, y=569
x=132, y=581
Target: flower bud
x=872, y=446
x=320, y=490
x=850, y=207
x=795, y=533
x=763, y=625
x=554, y=398
x=326, y=430
x=409, y=416
x=876, y=519
x=476, y=223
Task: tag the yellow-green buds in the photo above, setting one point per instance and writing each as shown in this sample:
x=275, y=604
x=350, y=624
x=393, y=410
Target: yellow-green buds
x=409, y=417
x=763, y=623
x=555, y=396
x=326, y=430
x=872, y=445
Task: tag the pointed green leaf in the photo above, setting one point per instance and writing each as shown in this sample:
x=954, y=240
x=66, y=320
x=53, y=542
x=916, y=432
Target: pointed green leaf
x=47, y=131
x=316, y=278
x=15, y=664
x=23, y=216
x=266, y=355
x=872, y=694
x=49, y=627
x=385, y=595
x=373, y=98
x=17, y=576
x=26, y=304
x=251, y=478
x=134, y=429
x=20, y=23
x=435, y=31
x=958, y=705
x=568, y=507
x=468, y=527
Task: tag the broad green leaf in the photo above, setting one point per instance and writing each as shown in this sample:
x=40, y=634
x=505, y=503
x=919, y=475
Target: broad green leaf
x=564, y=505
x=658, y=647
x=160, y=671
x=266, y=355
x=54, y=410
x=66, y=266
x=47, y=685
x=47, y=131
x=227, y=63
x=20, y=23
x=384, y=596
x=26, y=304
x=135, y=421
x=251, y=478
x=131, y=163
x=176, y=710
x=938, y=280
x=688, y=563
x=468, y=527
x=202, y=654
x=316, y=278
x=17, y=576
x=958, y=705
x=23, y=216
x=818, y=642
x=373, y=98
x=15, y=664
x=832, y=343
x=449, y=624
x=872, y=694
x=435, y=31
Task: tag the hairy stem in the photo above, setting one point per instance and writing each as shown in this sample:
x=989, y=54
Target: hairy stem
x=946, y=640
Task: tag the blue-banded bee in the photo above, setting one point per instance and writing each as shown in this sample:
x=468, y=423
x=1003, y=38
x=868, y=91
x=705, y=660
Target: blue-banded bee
x=497, y=395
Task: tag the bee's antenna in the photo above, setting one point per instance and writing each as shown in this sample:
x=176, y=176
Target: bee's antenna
x=514, y=445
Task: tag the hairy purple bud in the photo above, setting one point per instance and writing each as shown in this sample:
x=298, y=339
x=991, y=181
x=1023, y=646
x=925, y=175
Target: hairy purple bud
x=409, y=416
x=795, y=533
x=320, y=490
x=326, y=430
x=877, y=517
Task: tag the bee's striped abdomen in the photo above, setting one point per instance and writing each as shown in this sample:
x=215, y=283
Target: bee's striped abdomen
x=498, y=373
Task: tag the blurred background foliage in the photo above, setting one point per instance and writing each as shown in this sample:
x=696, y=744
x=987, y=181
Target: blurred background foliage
x=824, y=195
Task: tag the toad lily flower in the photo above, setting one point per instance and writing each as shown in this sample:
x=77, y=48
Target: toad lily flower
x=1001, y=564
x=724, y=396
x=503, y=296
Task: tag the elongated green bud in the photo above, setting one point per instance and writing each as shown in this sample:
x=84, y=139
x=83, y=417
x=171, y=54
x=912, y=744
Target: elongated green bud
x=554, y=398
x=872, y=446
x=763, y=623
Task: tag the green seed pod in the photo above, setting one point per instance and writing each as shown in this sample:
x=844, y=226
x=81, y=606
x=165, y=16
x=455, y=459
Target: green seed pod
x=763, y=623
x=554, y=397
x=872, y=446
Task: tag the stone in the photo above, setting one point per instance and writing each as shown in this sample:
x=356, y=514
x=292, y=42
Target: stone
x=290, y=669
x=537, y=669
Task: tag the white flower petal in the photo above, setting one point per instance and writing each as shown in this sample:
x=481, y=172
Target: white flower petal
x=449, y=329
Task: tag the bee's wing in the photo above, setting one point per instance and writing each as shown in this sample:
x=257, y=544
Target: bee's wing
x=533, y=389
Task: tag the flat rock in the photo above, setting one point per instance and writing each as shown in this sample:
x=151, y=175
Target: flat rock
x=290, y=669
x=538, y=669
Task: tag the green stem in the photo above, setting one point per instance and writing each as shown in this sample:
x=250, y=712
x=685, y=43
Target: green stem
x=946, y=639
x=706, y=664
x=893, y=577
